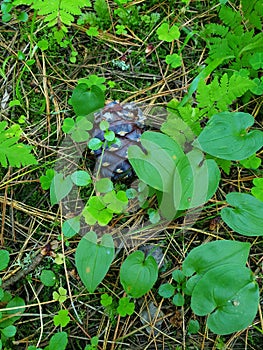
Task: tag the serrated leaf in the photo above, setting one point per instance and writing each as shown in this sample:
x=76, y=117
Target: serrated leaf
x=93, y=260
x=138, y=274
x=13, y=153
x=245, y=216
x=225, y=136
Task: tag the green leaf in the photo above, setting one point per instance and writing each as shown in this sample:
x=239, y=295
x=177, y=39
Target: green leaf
x=174, y=60
x=95, y=144
x=229, y=295
x=11, y=152
x=252, y=162
x=61, y=295
x=155, y=166
x=137, y=274
x=86, y=100
x=71, y=226
x=104, y=185
x=8, y=331
x=256, y=60
x=58, y=341
x=193, y=327
x=62, y=318
x=48, y=278
x=168, y=34
x=166, y=290
x=81, y=178
x=46, y=180
x=92, y=31
x=68, y=125
x=125, y=307
x=116, y=202
x=4, y=259
x=225, y=136
x=212, y=254
x=178, y=276
x=60, y=188
x=43, y=44
x=105, y=300
x=93, y=260
x=195, y=180
x=246, y=215
x=178, y=299
x=257, y=191
x=94, y=80
x=15, y=309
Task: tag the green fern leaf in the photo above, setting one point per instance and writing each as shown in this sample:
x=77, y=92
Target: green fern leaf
x=253, y=11
x=218, y=95
x=11, y=152
x=230, y=17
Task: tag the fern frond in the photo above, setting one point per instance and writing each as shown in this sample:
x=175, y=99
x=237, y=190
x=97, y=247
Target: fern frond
x=11, y=152
x=253, y=12
x=230, y=17
x=216, y=29
x=59, y=10
x=218, y=95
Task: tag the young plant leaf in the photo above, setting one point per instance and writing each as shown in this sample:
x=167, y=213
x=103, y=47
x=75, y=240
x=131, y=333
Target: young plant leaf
x=86, y=100
x=93, y=260
x=156, y=166
x=229, y=295
x=225, y=136
x=246, y=215
x=137, y=274
x=59, y=188
x=4, y=259
x=81, y=178
x=168, y=34
x=58, y=341
x=257, y=191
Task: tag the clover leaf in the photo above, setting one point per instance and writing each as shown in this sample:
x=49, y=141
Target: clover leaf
x=168, y=34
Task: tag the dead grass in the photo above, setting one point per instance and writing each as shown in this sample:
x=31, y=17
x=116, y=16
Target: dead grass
x=29, y=223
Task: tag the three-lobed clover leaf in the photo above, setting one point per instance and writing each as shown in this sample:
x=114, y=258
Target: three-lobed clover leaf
x=168, y=34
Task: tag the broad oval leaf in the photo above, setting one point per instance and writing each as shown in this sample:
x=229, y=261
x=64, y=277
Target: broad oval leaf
x=4, y=259
x=156, y=165
x=246, y=215
x=195, y=180
x=225, y=136
x=93, y=260
x=58, y=341
x=59, y=188
x=81, y=178
x=212, y=254
x=137, y=274
x=229, y=295
x=86, y=100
